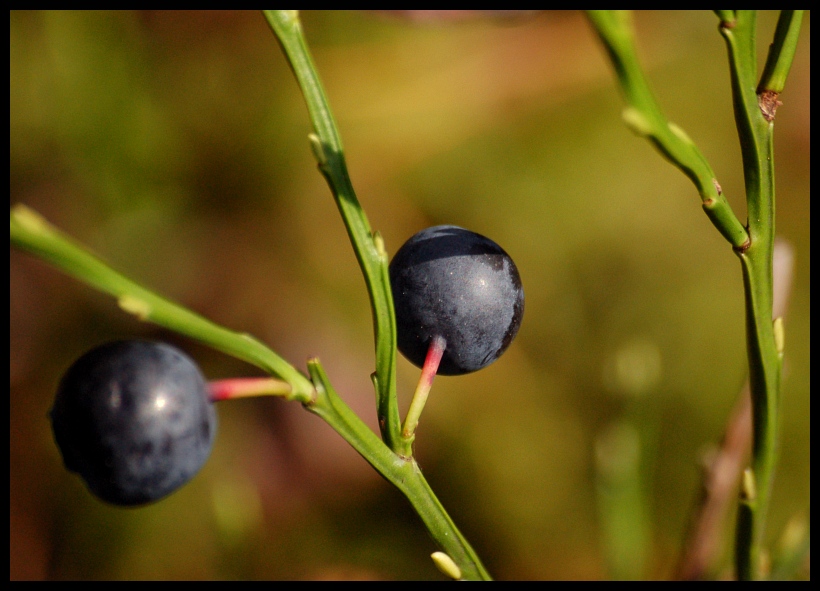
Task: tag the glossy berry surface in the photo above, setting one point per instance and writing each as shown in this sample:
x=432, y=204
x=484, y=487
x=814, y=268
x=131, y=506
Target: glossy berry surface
x=458, y=285
x=133, y=418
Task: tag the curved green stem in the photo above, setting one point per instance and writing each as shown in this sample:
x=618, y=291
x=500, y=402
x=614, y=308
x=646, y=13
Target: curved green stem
x=644, y=117
x=29, y=231
x=369, y=247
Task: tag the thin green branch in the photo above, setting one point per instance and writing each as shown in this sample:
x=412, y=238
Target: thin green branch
x=754, y=121
x=393, y=458
x=369, y=247
x=751, y=126
x=644, y=117
x=403, y=473
x=781, y=52
x=31, y=232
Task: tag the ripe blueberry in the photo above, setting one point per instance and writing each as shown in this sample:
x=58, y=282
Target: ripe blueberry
x=455, y=286
x=133, y=418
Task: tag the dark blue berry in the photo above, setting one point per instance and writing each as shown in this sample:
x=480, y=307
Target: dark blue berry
x=133, y=418
x=460, y=286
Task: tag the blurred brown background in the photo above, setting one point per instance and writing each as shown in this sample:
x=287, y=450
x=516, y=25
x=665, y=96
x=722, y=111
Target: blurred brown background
x=175, y=146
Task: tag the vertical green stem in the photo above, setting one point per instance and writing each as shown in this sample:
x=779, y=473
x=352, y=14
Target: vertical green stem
x=390, y=458
x=755, y=133
x=754, y=107
x=369, y=248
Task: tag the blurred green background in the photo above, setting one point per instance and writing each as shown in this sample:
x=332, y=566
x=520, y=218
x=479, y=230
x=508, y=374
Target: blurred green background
x=174, y=144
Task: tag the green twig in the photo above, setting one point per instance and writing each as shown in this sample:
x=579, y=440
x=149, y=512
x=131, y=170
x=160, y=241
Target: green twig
x=781, y=53
x=369, y=247
x=403, y=473
x=29, y=231
x=644, y=116
x=395, y=461
x=754, y=118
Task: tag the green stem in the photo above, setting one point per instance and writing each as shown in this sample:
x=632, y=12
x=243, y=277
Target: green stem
x=402, y=472
x=393, y=458
x=644, y=117
x=29, y=231
x=754, y=121
x=754, y=115
x=369, y=247
x=781, y=53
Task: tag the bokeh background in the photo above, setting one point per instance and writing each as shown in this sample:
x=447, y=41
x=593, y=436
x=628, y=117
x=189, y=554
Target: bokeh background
x=174, y=144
